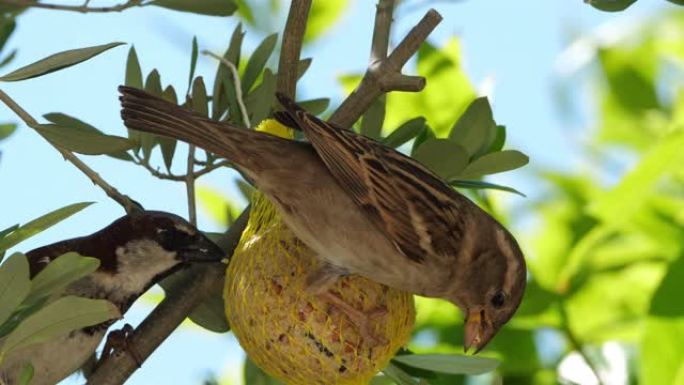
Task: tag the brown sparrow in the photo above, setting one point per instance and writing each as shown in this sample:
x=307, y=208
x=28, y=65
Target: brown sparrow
x=364, y=208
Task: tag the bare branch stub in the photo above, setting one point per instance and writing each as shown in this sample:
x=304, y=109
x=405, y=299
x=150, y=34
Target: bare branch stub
x=384, y=72
x=84, y=8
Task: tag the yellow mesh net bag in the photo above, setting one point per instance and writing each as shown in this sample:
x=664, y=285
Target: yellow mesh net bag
x=292, y=335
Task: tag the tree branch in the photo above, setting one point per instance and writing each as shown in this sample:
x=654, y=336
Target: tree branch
x=200, y=282
x=129, y=205
x=180, y=178
x=84, y=8
x=384, y=73
x=293, y=36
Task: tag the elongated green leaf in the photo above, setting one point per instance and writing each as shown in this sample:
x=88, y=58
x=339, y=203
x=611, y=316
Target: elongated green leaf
x=153, y=86
x=246, y=189
x=62, y=271
x=26, y=375
x=398, y=375
x=315, y=106
x=260, y=101
x=7, y=130
x=69, y=121
x=211, y=314
x=477, y=184
x=14, y=284
x=83, y=141
x=475, y=129
x=193, y=60
x=59, y=318
x=255, y=376
x=168, y=145
x=202, y=7
x=8, y=230
x=373, y=118
x=449, y=363
x=407, y=131
x=199, y=97
x=444, y=157
x=494, y=163
x=611, y=5
x=7, y=59
x=424, y=135
x=220, y=97
x=57, y=62
x=257, y=61
x=37, y=225
x=499, y=139
x=134, y=77
x=7, y=26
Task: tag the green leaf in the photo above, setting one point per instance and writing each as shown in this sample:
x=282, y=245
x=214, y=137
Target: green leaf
x=373, y=118
x=323, y=16
x=199, y=97
x=611, y=5
x=398, y=375
x=14, y=284
x=499, y=139
x=7, y=59
x=495, y=162
x=220, y=97
x=478, y=184
x=260, y=101
x=193, y=60
x=57, y=62
x=69, y=121
x=315, y=106
x=407, y=131
x=37, y=225
x=211, y=314
x=424, y=135
x=246, y=189
x=303, y=66
x=7, y=26
x=134, y=77
x=166, y=144
x=678, y=2
x=444, y=157
x=83, y=141
x=475, y=129
x=255, y=376
x=257, y=61
x=662, y=354
x=8, y=230
x=202, y=7
x=449, y=363
x=59, y=318
x=26, y=375
x=62, y=271
x=6, y=130
x=628, y=197
x=153, y=83
x=245, y=12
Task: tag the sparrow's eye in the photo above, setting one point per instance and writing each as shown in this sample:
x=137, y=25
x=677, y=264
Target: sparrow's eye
x=498, y=299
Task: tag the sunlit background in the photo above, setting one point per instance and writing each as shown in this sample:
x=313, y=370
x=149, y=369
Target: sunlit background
x=538, y=61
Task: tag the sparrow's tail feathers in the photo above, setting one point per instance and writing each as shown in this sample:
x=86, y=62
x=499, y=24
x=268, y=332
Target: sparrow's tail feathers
x=144, y=112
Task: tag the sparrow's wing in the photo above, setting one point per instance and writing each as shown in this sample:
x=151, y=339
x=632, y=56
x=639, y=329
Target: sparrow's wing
x=419, y=214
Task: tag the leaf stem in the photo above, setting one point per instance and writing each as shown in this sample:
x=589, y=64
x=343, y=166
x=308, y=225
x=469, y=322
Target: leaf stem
x=129, y=205
x=84, y=8
x=236, y=81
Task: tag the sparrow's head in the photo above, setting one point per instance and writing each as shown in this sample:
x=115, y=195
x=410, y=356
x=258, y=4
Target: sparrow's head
x=494, y=289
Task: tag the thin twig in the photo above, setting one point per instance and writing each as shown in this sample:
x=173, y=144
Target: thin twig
x=236, y=81
x=180, y=178
x=84, y=8
x=165, y=318
x=111, y=192
x=384, y=74
x=293, y=36
x=190, y=186
x=576, y=345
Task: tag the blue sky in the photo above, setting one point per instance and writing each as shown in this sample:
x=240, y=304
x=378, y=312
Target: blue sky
x=515, y=43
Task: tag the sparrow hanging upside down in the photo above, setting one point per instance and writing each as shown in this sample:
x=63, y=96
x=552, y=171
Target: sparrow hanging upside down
x=364, y=208
x=135, y=252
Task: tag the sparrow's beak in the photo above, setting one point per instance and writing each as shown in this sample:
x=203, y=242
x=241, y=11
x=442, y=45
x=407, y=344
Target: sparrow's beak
x=202, y=250
x=478, y=330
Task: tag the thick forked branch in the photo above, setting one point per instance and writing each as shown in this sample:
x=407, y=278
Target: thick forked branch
x=384, y=72
x=111, y=192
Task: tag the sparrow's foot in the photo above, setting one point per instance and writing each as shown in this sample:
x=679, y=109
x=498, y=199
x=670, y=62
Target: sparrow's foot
x=120, y=341
x=362, y=320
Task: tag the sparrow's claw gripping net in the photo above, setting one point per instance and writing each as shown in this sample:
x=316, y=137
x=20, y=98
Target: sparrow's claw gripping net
x=298, y=337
